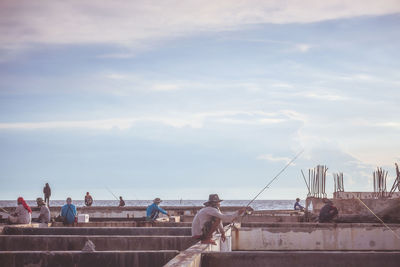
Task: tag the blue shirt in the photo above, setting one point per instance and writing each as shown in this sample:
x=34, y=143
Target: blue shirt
x=152, y=207
x=297, y=206
x=69, y=211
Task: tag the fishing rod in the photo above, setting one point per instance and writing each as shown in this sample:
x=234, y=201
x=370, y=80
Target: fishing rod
x=273, y=179
x=109, y=190
x=267, y=186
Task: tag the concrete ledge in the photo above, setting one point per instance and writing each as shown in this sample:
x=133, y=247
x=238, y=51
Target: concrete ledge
x=102, y=243
x=317, y=237
x=112, y=223
x=300, y=258
x=84, y=259
x=128, y=231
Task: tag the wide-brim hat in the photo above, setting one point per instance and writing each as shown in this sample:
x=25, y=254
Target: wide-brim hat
x=39, y=200
x=157, y=200
x=213, y=198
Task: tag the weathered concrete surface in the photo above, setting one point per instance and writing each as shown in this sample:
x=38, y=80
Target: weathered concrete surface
x=361, y=195
x=128, y=231
x=301, y=258
x=127, y=224
x=354, y=207
x=192, y=256
x=102, y=243
x=84, y=259
x=317, y=237
x=122, y=212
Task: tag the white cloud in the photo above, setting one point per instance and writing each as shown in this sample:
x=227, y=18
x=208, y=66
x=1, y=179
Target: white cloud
x=272, y=158
x=133, y=23
x=324, y=96
x=177, y=120
x=303, y=47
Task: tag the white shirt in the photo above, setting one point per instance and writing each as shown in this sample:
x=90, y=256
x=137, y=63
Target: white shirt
x=44, y=216
x=205, y=214
x=23, y=215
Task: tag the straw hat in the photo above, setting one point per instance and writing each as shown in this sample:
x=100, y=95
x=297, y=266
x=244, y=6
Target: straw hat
x=213, y=198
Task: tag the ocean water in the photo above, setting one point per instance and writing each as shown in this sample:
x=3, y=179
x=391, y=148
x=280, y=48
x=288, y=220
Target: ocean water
x=256, y=205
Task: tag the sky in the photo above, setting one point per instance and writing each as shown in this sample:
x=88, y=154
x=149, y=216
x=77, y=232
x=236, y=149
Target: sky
x=181, y=99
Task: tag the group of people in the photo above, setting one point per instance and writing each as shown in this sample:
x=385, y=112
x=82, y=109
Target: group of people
x=206, y=222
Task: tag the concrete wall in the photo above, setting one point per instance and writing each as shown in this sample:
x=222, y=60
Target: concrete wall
x=129, y=231
x=301, y=258
x=84, y=259
x=102, y=243
x=361, y=195
x=317, y=237
x=354, y=207
x=192, y=256
x=122, y=212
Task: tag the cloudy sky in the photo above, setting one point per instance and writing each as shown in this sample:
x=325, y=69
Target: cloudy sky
x=179, y=99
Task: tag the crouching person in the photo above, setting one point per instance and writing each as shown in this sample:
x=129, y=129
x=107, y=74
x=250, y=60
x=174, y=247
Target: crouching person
x=22, y=214
x=44, y=216
x=209, y=220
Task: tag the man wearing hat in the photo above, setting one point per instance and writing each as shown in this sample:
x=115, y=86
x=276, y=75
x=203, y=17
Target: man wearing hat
x=328, y=212
x=154, y=210
x=209, y=219
x=44, y=216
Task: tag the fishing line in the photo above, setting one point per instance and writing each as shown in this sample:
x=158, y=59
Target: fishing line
x=267, y=186
x=398, y=237
x=109, y=190
x=273, y=179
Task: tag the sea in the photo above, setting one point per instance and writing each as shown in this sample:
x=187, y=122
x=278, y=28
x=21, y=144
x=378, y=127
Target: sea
x=256, y=205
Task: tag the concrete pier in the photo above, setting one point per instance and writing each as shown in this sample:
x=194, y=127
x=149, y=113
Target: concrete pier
x=300, y=258
x=306, y=236
x=125, y=231
x=85, y=259
x=103, y=243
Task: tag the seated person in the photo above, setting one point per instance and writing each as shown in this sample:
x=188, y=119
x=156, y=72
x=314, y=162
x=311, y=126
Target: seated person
x=68, y=212
x=297, y=205
x=209, y=219
x=44, y=216
x=22, y=214
x=328, y=212
x=121, y=202
x=154, y=210
x=88, y=200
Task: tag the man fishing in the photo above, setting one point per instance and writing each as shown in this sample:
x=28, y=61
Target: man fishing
x=328, y=212
x=297, y=205
x=88, y=200
x=154, y=210
x=209, y=219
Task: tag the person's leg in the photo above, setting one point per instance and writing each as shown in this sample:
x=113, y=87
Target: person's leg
x=13, y=219
x=154, y=215
x=208, y=231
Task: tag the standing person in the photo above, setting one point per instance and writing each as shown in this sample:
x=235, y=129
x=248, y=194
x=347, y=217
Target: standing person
x=153, y=210
x=209, y=219
x=297, y=205
x=328, y=212
x=47, y=194
x=68, y=212
x=22, y=214
x=88, y=200
x=121, y=202
x=44, y=216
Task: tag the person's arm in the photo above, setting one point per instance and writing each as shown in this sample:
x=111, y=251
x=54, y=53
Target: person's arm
x=74, y=210
x=224, y=217
x=162, y=210
x=62, y=213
